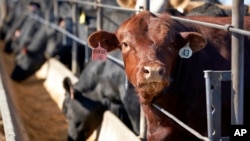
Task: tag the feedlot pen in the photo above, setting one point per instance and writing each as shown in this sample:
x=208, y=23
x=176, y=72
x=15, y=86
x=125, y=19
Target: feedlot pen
x=39, y=114
x=35, y=106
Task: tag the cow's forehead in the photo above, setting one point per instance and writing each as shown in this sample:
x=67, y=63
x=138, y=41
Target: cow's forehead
x=146, y=23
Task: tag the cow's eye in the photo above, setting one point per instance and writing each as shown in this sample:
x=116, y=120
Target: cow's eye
x=124, y=44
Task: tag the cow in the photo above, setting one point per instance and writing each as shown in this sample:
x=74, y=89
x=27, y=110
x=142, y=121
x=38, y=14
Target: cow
x=57, y=45
x=97, y=78
x=92, y=77
x=15, y=16
x=22, y=30
x=208, y=9
x=227, y=7
x=160, y=6
x=46, y=43
x=164, y=60
x=99, y=88
x=32, y=52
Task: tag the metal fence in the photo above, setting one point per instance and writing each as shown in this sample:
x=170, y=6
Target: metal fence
x=236, y=28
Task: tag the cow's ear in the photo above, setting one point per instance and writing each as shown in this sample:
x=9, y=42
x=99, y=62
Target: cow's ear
x=195, y=39
x=107, y=40
x=68, y=86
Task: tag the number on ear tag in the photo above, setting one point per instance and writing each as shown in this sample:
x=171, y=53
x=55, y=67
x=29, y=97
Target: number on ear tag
x=186, y=51
x=99, y=53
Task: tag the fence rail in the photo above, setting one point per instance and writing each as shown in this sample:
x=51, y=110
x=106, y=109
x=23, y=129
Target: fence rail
x=6, y=114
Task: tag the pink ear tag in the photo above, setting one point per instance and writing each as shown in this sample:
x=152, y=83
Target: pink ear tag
x=99, y=53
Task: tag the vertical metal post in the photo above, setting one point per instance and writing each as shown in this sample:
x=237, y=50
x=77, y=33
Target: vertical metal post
x=143, y=5
x=55, y=10
x=98, y=16
x=209, y=105
x=238, y=60
x=3, y=11
x=74, y=67
x=143, y=132
x=147, y=5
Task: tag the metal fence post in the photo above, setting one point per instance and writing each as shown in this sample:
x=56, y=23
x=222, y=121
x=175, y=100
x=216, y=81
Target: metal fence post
x=55, y=11
x=74, y=66
x=3, y=11
x=213, y=81
x=99, y=16
x=145, y=5
x=209, y=105
x=238, y=60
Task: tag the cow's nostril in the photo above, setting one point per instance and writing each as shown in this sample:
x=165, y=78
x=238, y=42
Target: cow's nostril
x=146, y=70
x=154, y=73
x=161, y=71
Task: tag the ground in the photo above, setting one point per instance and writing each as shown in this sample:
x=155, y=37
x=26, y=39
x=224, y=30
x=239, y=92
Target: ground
x=40, y=115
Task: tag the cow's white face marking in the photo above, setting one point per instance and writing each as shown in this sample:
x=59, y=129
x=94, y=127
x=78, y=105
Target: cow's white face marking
x=186, y=51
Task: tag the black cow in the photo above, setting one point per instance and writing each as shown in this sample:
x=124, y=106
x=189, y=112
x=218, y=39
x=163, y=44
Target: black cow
x=37, y=42
x=101, y=87
x=208, y=9
x=21, y=31
x=15, y=16
x=103, y=83
x=212, y=9
x=26, y=65
x=46, y=43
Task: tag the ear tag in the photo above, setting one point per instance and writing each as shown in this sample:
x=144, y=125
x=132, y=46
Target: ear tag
x=186, y=51
x=99, y=53
x=82, y=18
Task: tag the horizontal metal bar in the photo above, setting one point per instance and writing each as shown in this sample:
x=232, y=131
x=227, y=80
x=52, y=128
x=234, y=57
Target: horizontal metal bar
x=223, y=27
x=195, y=133
x=100, y=5
x=72, y=36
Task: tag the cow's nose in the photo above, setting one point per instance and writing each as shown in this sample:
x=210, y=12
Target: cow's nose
x=153, y=73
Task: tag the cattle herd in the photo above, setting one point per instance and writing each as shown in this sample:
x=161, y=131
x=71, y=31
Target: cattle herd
x=164, y=60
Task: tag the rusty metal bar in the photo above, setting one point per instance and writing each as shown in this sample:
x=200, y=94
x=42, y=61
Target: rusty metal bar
x=237, y=64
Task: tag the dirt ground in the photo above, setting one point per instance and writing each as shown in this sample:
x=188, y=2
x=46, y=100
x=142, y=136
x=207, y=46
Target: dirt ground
x=42, y=119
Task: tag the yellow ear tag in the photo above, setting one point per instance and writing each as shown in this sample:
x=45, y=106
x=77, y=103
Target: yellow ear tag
x=186, y=51
x=82, y=18
x=99, y=53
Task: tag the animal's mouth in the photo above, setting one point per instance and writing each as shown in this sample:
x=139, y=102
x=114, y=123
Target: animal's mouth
x=147, y=91
x=152, y=87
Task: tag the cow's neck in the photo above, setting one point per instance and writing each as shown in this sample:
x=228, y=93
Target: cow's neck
x=157, y=122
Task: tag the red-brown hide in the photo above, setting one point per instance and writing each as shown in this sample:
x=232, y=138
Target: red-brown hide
x=150, y=46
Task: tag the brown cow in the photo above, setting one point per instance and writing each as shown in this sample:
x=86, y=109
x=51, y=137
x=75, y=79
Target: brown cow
x=151, y=46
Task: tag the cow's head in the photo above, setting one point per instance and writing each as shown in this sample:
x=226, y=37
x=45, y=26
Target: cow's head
x=149, y=46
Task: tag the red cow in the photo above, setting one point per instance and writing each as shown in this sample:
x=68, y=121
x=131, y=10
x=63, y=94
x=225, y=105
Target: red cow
x=157, y=53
